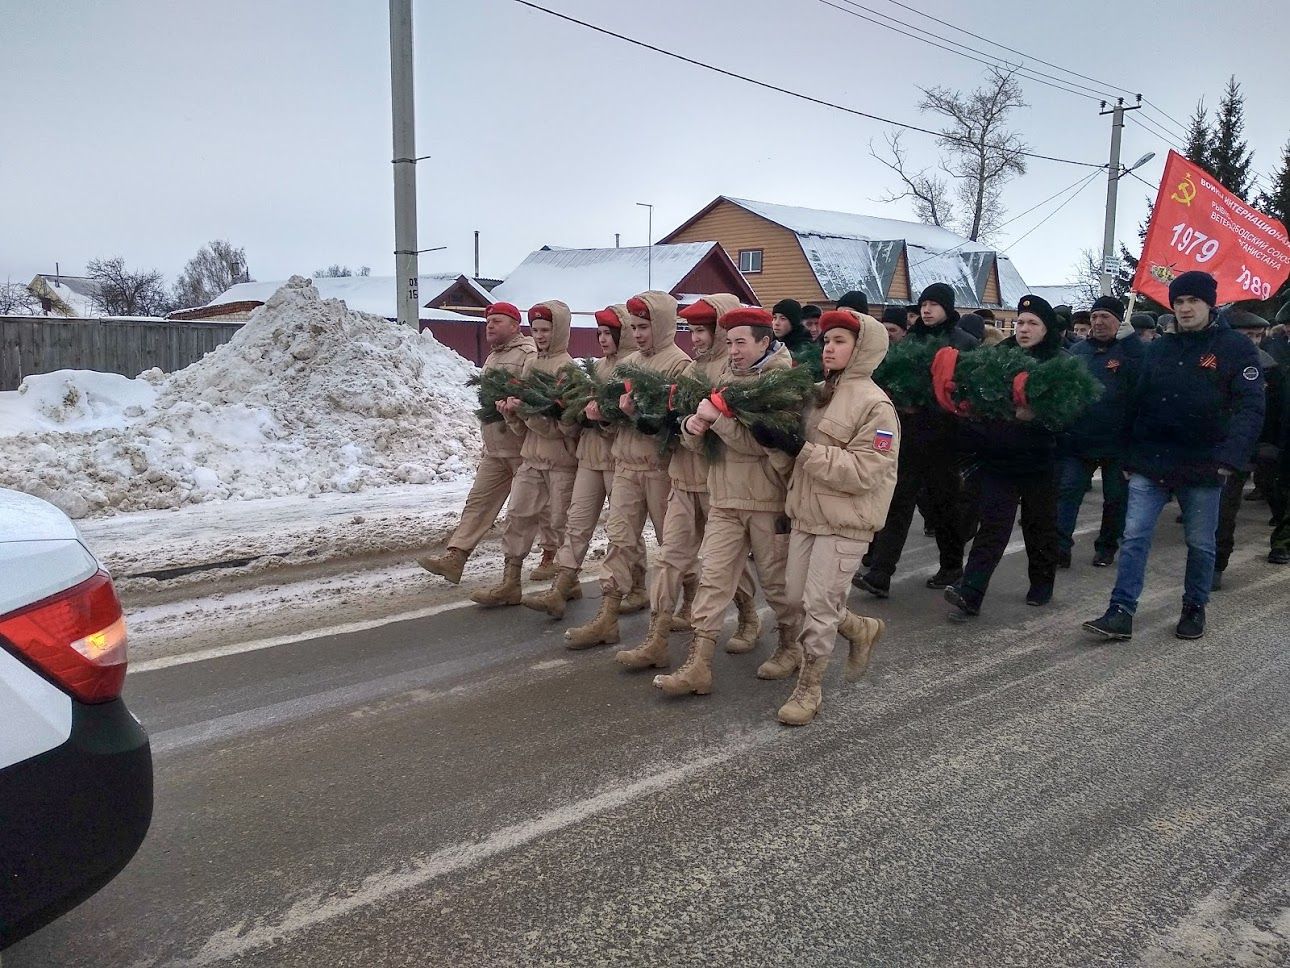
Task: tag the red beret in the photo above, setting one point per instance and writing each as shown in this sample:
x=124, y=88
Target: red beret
x=844, y=318
x=638, y=307
x=745, y=316
x=700, y=313
x=541, y=312
x=607, y=317
x=504, y=309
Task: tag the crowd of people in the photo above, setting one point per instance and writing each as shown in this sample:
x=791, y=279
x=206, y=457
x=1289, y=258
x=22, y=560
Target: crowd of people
x=1192, y=404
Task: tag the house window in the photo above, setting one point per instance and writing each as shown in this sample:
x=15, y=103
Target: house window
x=749, y=260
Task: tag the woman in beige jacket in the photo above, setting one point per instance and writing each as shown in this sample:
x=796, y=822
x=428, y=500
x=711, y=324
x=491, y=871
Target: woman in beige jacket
x=844, y=473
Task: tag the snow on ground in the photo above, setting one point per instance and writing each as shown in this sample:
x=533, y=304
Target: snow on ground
x=307, y=398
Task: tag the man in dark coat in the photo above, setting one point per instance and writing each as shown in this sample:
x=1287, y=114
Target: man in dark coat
x=1261, y=464
x=1195, y=417
x=1097, y=440
x=929, y=456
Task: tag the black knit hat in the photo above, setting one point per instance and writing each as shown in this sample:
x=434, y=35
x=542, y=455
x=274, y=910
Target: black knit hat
x=811, y=311
x=943, y=295
x=1040, y=307
x=895, y=315
x=972, y=324
x=1195, y=283
x=1242, y=319
x=1110, y=305
x=856, y=300
x=790, y=309
x=1142, y=321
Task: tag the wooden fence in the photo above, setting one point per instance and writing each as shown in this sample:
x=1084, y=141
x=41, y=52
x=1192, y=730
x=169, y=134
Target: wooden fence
x=41, y=344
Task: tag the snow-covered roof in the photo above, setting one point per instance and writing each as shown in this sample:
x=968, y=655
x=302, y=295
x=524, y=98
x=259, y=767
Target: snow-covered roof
x=847, y=251
x=1064, y=294
x=590, y=279
x=366, y=294
x=78, y=293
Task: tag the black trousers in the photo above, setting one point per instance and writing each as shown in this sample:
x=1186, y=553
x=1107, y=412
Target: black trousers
x=998, y=497
x=1229, y=506
x=950, y=513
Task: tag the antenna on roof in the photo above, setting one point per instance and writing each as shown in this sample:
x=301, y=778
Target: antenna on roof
x=476, y=253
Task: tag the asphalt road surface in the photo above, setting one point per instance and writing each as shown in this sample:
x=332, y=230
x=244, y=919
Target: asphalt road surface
x=461, y=790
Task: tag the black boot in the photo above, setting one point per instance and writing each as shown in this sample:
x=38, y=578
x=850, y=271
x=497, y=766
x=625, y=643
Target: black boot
x=1116, y=624
x=1279, y=556
x=944, y=578
x=966, y=600
x=1104, y=559
x=1064, y=559
x=1040, y=594
x=1216, y=584
x=873, y=583
x=1192, y=623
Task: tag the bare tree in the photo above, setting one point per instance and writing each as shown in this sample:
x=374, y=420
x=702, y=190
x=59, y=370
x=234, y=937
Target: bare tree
x=123, y=292
x=1088, y=277
x=17, y=300
x=930, y=192
x=336, y=271
x=215, y=268
x=980, y=156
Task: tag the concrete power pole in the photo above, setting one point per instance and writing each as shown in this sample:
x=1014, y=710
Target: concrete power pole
x=1112, y=189
x=406, y=272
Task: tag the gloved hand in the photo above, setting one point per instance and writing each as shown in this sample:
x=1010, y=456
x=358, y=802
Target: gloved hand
x=790, y=442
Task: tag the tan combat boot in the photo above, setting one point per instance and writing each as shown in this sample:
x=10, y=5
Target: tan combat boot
x=601, y=630
x=546, y=570
x=448, y=565
x=564, y=589
x=637, y=597
x=749, y=628
x=785, y=659
x=651, y=652
x=862, y=632
x=683, y=621
x=508, y=592
x=695, y=676
x=805, y=701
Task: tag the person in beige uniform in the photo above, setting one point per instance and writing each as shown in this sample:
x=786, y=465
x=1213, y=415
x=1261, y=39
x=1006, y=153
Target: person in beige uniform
x=595, y=478
x=687, y=514
x=548, y=453
x=746, y=489
x=844, y=474
x=511, y=350
x=641, y=484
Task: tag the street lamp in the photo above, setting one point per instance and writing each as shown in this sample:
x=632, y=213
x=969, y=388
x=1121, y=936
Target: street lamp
x=649, y=246
x=1137, y=164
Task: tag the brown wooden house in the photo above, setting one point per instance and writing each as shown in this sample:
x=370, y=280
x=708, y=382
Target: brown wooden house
x=815, y=256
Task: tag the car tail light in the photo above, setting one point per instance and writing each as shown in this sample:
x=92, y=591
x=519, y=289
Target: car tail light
x=77, y=638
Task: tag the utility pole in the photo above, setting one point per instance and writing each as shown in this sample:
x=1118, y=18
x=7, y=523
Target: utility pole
x=1113, y=174
x=405, y=164
x=649, y=246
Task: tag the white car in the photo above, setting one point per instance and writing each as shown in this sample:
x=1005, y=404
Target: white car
x=75, y=765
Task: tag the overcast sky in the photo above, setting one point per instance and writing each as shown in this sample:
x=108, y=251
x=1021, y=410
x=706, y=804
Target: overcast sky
x=144, y=128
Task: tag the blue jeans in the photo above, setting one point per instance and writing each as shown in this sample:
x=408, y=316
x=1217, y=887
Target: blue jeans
x=1075, y=478
x=1200, y=522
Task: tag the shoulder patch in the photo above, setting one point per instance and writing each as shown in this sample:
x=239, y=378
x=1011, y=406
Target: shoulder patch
x=882, y=440
x=1250, y=373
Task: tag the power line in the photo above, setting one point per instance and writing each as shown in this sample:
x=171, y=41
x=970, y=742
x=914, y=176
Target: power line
x=783, y=90
x=995, y=61
x=1088, y=181
x=1024, y=55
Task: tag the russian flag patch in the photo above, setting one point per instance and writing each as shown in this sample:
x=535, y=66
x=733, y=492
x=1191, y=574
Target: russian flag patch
x=882, y=440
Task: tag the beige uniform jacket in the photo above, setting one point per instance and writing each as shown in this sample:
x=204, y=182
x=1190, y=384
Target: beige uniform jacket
x=633, y=450
x=499, y=440
x=547, y=445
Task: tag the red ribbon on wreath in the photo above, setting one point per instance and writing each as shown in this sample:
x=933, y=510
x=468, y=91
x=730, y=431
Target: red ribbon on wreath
x=943, y=386
x=719, y=401
x=1019, y=399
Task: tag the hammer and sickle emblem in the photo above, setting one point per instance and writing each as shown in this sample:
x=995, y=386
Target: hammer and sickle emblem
x=1186, y=191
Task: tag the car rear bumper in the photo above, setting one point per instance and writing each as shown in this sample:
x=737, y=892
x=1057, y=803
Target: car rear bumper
x=72, y=817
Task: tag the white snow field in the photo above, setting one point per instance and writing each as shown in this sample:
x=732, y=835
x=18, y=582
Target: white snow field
x=308, y=398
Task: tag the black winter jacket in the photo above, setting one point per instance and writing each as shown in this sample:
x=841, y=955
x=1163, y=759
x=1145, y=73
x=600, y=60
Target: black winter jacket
x=1198, y=406
x=1012, y=447
x=1102, y=431
x=933, y=428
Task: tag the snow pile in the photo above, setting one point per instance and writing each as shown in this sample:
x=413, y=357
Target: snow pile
x=308, y=397
x=76, y=400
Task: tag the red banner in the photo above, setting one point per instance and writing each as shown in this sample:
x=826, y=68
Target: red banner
x=1199, y=224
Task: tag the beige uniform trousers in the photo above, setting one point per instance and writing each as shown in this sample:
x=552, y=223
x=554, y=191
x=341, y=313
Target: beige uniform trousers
x=635, y=494
x=484, y=502
x=533, y=492
x=820, y=567
x=678, y=554
x=727, y=539
x=590, y=488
